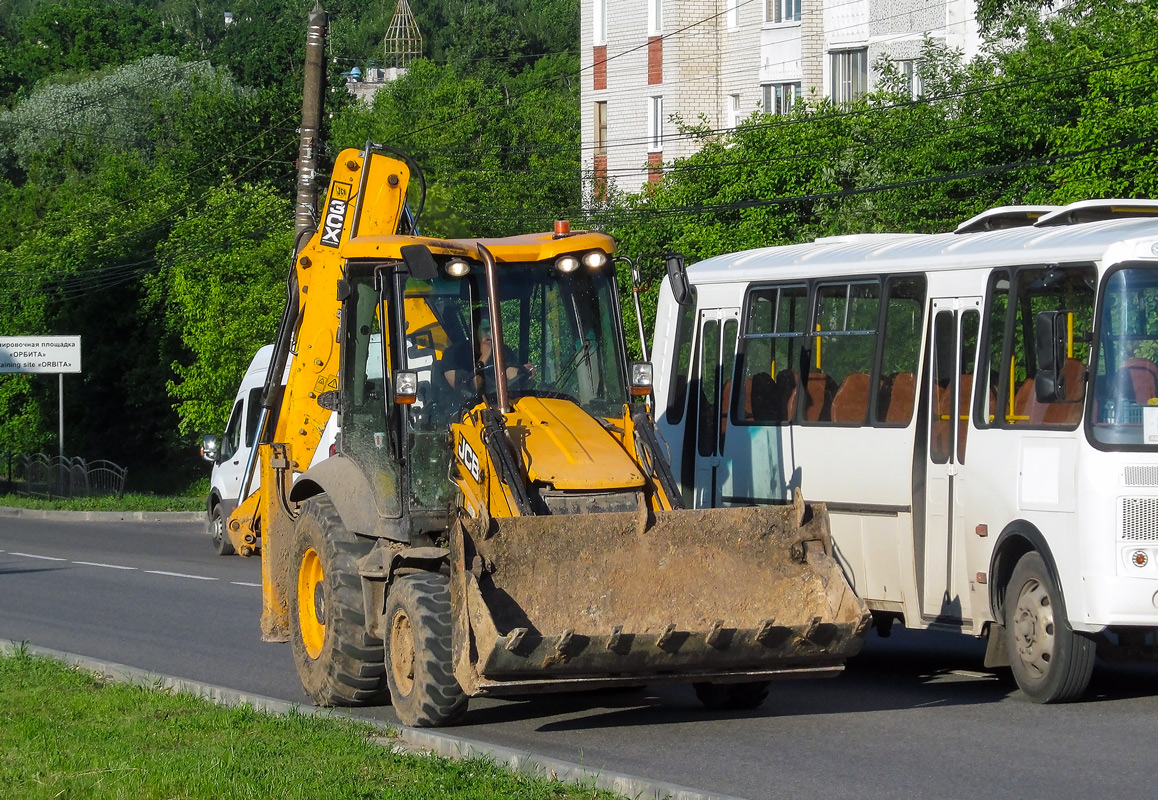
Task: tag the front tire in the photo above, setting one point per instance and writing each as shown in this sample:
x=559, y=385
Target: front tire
x=731, y=696
x=221, y=543
x=419, y=661
x=1050, y=662
x=338, y=661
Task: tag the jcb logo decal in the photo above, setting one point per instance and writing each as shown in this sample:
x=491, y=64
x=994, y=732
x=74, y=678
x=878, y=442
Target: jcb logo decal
x=335, y=215
x=469, y=458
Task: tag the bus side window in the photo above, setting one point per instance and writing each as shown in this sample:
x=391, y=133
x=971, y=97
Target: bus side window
x=844, y=351
x=1039, y=289
x=904, y=320
x=775, y=319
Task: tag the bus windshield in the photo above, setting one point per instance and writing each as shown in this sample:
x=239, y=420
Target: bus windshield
x=1126, y=376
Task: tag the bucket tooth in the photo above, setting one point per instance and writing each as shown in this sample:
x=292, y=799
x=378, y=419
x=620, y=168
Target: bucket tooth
x=812, y=626
x=765, y=630
x=713, y=635
x=665, y=636
x=613, y=639
x=514, y=638
x=563, y=640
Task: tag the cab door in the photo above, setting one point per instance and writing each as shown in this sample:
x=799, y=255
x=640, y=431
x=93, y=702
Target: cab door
x=715, y=359
x=944, y=580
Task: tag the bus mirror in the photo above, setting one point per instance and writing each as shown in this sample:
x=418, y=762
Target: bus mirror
x=419, y=261
x=677, y=273
x=1052, y=335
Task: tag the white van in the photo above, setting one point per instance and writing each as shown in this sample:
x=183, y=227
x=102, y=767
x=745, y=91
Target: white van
x=229, y=456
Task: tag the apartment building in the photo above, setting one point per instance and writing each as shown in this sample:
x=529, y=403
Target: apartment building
x=648, y=63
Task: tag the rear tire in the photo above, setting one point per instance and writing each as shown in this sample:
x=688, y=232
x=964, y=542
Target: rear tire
x=1050, y=662
x=419, y=661
x=731, y=696
x=338, y=661
x=221, y=543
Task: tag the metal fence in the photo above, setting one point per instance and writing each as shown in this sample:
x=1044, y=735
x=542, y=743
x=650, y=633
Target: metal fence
x=40, y=475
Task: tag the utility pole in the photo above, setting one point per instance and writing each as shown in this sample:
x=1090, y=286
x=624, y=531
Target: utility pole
x=312, y=95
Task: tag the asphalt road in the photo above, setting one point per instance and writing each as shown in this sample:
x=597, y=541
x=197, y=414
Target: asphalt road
x=914, y=716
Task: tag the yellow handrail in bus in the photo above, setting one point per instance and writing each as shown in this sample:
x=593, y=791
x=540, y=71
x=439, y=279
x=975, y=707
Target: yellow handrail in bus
x=818, y=349
x=1010, y=416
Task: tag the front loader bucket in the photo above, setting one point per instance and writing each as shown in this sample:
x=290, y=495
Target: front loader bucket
x=731, y=594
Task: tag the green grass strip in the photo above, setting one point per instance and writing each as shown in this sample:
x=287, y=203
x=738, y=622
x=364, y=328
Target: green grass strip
x=130, y=502
x=68, y=733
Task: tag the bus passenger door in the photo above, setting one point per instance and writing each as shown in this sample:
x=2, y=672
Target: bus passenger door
x=715, y=361
x=944, y=579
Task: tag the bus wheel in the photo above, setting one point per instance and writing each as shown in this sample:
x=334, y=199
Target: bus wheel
x=731, y=696
x=338, y=661
x=1050, y=662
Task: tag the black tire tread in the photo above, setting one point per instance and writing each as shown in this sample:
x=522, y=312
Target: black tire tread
x=222, y=546
x=1074, y=654
x=436, y=699
x=351, y=669
x=731, y=696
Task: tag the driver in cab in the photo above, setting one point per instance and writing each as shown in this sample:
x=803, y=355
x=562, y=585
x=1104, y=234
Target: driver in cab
x=464, y=376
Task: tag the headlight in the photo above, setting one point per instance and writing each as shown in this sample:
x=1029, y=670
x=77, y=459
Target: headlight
x=456, y=268
x=642, y=375
x=567, y=263
x=595, y=259
x=405, y=387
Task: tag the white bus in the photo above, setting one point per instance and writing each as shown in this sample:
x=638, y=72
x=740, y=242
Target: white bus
x=978, y=409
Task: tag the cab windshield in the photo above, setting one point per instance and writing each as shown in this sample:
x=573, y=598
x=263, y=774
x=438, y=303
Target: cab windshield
x=1126, y=376
x=560, y=339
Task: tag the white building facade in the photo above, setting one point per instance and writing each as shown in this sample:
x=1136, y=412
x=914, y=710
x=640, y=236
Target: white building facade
x=711, y=63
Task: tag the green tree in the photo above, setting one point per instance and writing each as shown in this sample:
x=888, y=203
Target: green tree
x=220, y=291
x=87, y=35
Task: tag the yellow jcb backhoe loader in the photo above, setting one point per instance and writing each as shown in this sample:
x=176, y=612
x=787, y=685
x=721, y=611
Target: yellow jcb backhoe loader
x=498, y=516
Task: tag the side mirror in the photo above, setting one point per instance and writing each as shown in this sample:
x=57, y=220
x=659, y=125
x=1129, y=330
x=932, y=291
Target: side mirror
x=678, y=275
x=1050, y=333
x=419, y=261
x=209, y=448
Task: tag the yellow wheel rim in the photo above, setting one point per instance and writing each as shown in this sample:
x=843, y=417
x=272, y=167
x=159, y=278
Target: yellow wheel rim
x=402, y=653
x=311, y=603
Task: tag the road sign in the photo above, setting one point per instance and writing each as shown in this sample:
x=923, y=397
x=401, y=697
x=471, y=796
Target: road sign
x=39, y=354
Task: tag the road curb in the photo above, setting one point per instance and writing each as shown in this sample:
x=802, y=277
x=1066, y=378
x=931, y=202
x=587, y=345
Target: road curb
x=452, y=747
x=103, y=516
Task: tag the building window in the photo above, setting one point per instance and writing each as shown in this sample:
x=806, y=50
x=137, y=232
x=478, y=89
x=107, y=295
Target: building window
x=599, y=22
x=780, y=97
x=655, y=125
x=733, y=110
x=601, y=128
x=849, y=75
x=654, y=17
x=782, y=10
x=733, y=18
x=910, y=73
